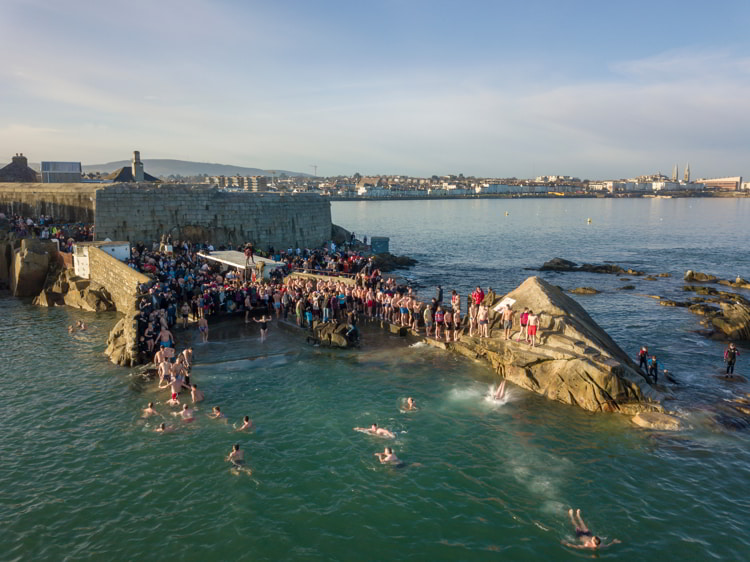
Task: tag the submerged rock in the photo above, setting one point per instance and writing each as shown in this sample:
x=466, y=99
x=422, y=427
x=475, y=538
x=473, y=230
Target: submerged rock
x=576, y=363
x=627, y=288
x=667, y=302
x=584, y=291
x=657, y=420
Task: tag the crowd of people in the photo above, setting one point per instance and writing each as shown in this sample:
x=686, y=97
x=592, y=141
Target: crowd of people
x=46, y=227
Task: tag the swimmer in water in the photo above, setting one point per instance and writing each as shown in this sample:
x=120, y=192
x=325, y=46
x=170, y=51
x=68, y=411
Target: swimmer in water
x=375, y=430
x=163, y=428
x=410, y=404
x=247, y=423
x=81, y=325
x=149, y=411
x=500, y=392
x=387, y=457
x=216, y=413
x=196, y=394
x=187, y=413
x=585, y=536
x=71, y=329
x=237, y=458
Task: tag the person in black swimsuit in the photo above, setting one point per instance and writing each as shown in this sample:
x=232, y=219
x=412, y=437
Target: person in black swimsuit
x=584, y=535
x=264, y=320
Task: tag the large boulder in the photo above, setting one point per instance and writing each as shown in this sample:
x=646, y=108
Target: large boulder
x=577, y=362
x=122, y=344
x=331, y=333
x=388, y=262
x=30, y=265
x=340, y=235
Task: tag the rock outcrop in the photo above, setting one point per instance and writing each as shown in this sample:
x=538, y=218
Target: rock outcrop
x=559, y=264
x=734, y=320
x=68, y=289
x=122, y=347
x=331, y=333
x=29, y=266
x=576, y=361
x=388, y=262
x=697, y=276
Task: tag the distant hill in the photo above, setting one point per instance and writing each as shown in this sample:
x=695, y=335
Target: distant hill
x=165, y=167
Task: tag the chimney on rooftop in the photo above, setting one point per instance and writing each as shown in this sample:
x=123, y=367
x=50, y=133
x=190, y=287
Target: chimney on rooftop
x=137, y=166
x=21, y=160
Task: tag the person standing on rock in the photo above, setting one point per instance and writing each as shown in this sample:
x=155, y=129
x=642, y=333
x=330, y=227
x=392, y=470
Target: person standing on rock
x=523, y=320
x=483, y=318
x=508, y=320
x=653, y=368
x=439, y=294
x=643, y=359
x=730, y=356
x=533, y=327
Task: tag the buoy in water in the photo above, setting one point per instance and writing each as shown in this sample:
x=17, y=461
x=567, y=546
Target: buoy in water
x=506, y=213
x=588, y=221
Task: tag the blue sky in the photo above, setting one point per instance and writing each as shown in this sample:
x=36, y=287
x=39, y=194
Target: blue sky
x=586, y=88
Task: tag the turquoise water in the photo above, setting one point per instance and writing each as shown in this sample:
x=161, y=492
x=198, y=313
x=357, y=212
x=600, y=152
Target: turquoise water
x=84, y=477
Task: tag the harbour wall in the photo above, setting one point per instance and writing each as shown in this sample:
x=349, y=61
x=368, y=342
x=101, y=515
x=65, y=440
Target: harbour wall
x=144, y=212
x=200, y=214
x=66, y=202
x=120, y=281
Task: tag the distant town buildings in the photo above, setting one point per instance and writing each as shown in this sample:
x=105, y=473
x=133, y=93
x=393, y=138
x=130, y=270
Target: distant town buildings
x=248, y=183
x=358, y=186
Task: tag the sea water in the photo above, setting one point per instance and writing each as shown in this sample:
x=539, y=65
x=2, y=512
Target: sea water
x=85, y=477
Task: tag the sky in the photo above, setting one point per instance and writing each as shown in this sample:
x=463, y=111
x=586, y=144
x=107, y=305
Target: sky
x=592, y=89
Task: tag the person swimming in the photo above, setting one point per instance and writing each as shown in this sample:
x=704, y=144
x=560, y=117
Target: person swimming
x=149, y=411
x=247, y=423
x=163, y=428
x=237, y=458
x=410, y=404
x=216, y=413
x=375, y=430
x=388, y=457
x=197, y=395
x=187, y=413
x=584, y=535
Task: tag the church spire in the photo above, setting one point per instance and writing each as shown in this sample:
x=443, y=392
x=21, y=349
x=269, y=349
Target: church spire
x=686, y=178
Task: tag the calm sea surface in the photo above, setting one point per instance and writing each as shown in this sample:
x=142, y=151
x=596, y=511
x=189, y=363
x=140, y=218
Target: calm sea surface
x=84, y=477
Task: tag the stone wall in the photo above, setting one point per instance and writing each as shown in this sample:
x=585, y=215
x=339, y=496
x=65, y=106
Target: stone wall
x=120, y=281
x=198, y=213
x=66, y=202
